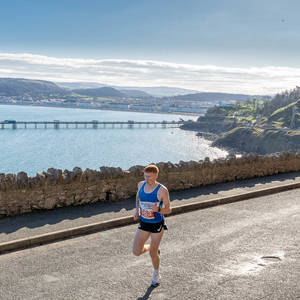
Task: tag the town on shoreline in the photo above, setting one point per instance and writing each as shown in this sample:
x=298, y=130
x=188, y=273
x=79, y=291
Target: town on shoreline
x=103, y=108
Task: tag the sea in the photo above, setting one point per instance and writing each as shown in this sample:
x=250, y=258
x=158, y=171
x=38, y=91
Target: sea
x=34, y=150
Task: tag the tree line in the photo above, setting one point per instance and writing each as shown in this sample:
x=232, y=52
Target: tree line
x=280, y=100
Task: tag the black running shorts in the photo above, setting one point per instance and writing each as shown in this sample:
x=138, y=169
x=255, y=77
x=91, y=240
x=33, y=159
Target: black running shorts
x=153, y=227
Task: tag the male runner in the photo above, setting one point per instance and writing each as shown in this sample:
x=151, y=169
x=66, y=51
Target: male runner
x=152, y=202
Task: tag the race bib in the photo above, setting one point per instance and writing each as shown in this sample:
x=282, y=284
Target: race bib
x=147, y=214
x=146, y=210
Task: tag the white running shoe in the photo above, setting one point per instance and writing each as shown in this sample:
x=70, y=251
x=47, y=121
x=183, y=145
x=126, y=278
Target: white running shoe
x=155, y=279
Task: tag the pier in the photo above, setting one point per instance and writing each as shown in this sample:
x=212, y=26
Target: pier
x=94, y=124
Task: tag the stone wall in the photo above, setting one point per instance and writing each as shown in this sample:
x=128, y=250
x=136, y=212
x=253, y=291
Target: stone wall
x=22, y=194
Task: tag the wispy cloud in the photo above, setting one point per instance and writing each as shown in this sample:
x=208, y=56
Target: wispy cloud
x=254, y=80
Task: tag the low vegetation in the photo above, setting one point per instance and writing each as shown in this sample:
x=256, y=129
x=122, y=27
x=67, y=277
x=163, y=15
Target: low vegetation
x=282, y=111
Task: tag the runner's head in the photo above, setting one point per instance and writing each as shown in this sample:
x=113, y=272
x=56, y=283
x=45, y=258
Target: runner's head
x=151, y=173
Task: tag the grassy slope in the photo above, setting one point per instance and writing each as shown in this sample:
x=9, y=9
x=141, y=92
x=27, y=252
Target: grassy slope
x=282, y=116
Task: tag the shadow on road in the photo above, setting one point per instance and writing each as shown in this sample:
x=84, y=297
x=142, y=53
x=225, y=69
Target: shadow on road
x=147, y=294
x=40, y=218
x=227, y=186
x=43, y=217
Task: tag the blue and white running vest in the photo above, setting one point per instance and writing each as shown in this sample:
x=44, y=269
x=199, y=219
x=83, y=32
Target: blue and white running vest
x=147, y=200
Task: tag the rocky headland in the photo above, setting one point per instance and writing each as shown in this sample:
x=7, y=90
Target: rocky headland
x=210, y=124
x=261, y=141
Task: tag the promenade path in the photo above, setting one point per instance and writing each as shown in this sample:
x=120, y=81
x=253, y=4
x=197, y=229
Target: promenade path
x=41, y=222
x=243, y=250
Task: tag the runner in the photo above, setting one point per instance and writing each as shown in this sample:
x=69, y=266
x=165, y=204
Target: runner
x=152, y=202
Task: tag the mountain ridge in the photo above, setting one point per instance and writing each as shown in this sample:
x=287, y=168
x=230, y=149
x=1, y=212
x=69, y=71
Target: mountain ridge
x=101, y=92
x=28, y=87
x=155, y=91
x=41, y=88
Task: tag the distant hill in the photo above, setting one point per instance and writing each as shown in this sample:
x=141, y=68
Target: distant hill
x=136, y=93
x=94, y=85
x=160, y=91
x=100, y=92
x=26, y=87
x=41, y=88
x=156, y=91
x=214, y=97
x=80, y=85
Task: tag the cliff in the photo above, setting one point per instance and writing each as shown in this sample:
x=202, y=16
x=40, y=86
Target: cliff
x=261, y=141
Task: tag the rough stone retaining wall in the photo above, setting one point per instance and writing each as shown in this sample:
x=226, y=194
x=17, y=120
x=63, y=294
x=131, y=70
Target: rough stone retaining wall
x=22, y=194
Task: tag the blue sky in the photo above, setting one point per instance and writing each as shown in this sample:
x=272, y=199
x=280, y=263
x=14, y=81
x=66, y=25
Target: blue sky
x=225, y=34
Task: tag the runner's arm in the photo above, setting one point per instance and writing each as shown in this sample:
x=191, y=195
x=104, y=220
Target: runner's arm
x=137, y=201
x=165, y=198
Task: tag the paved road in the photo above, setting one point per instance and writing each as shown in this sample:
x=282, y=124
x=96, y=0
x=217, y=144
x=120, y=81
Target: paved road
x=216, y=253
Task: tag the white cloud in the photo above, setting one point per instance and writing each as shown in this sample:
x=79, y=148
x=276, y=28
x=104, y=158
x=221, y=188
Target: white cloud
x=254, y=80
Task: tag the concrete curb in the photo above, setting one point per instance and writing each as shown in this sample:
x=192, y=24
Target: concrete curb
x=105, y=225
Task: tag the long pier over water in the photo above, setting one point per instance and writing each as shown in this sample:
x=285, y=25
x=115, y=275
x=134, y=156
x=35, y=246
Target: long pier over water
x=57, y=124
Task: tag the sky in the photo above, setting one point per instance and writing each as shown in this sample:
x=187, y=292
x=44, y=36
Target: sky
x=238, y=46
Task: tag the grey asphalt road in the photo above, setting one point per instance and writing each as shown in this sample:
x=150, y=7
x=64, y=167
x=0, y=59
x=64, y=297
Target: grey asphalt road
x=244, y=250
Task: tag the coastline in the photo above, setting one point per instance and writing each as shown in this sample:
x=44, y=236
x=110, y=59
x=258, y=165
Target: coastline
x=102, y=108
x=193, y=148
x=260, y=141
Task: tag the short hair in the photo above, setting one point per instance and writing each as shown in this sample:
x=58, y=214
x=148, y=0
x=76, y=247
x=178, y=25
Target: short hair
x=151, y=169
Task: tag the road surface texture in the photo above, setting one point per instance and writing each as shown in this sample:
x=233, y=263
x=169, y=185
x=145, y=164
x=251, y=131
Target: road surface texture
x=243, y=250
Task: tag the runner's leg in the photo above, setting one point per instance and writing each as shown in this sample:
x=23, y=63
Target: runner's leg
x=140, y=239
x=154, y=245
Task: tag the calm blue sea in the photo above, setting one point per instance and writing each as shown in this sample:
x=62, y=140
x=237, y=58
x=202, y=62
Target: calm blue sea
x=35, y=150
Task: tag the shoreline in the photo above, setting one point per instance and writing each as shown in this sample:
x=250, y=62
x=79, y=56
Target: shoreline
x=43, y=169
x=109, y=109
